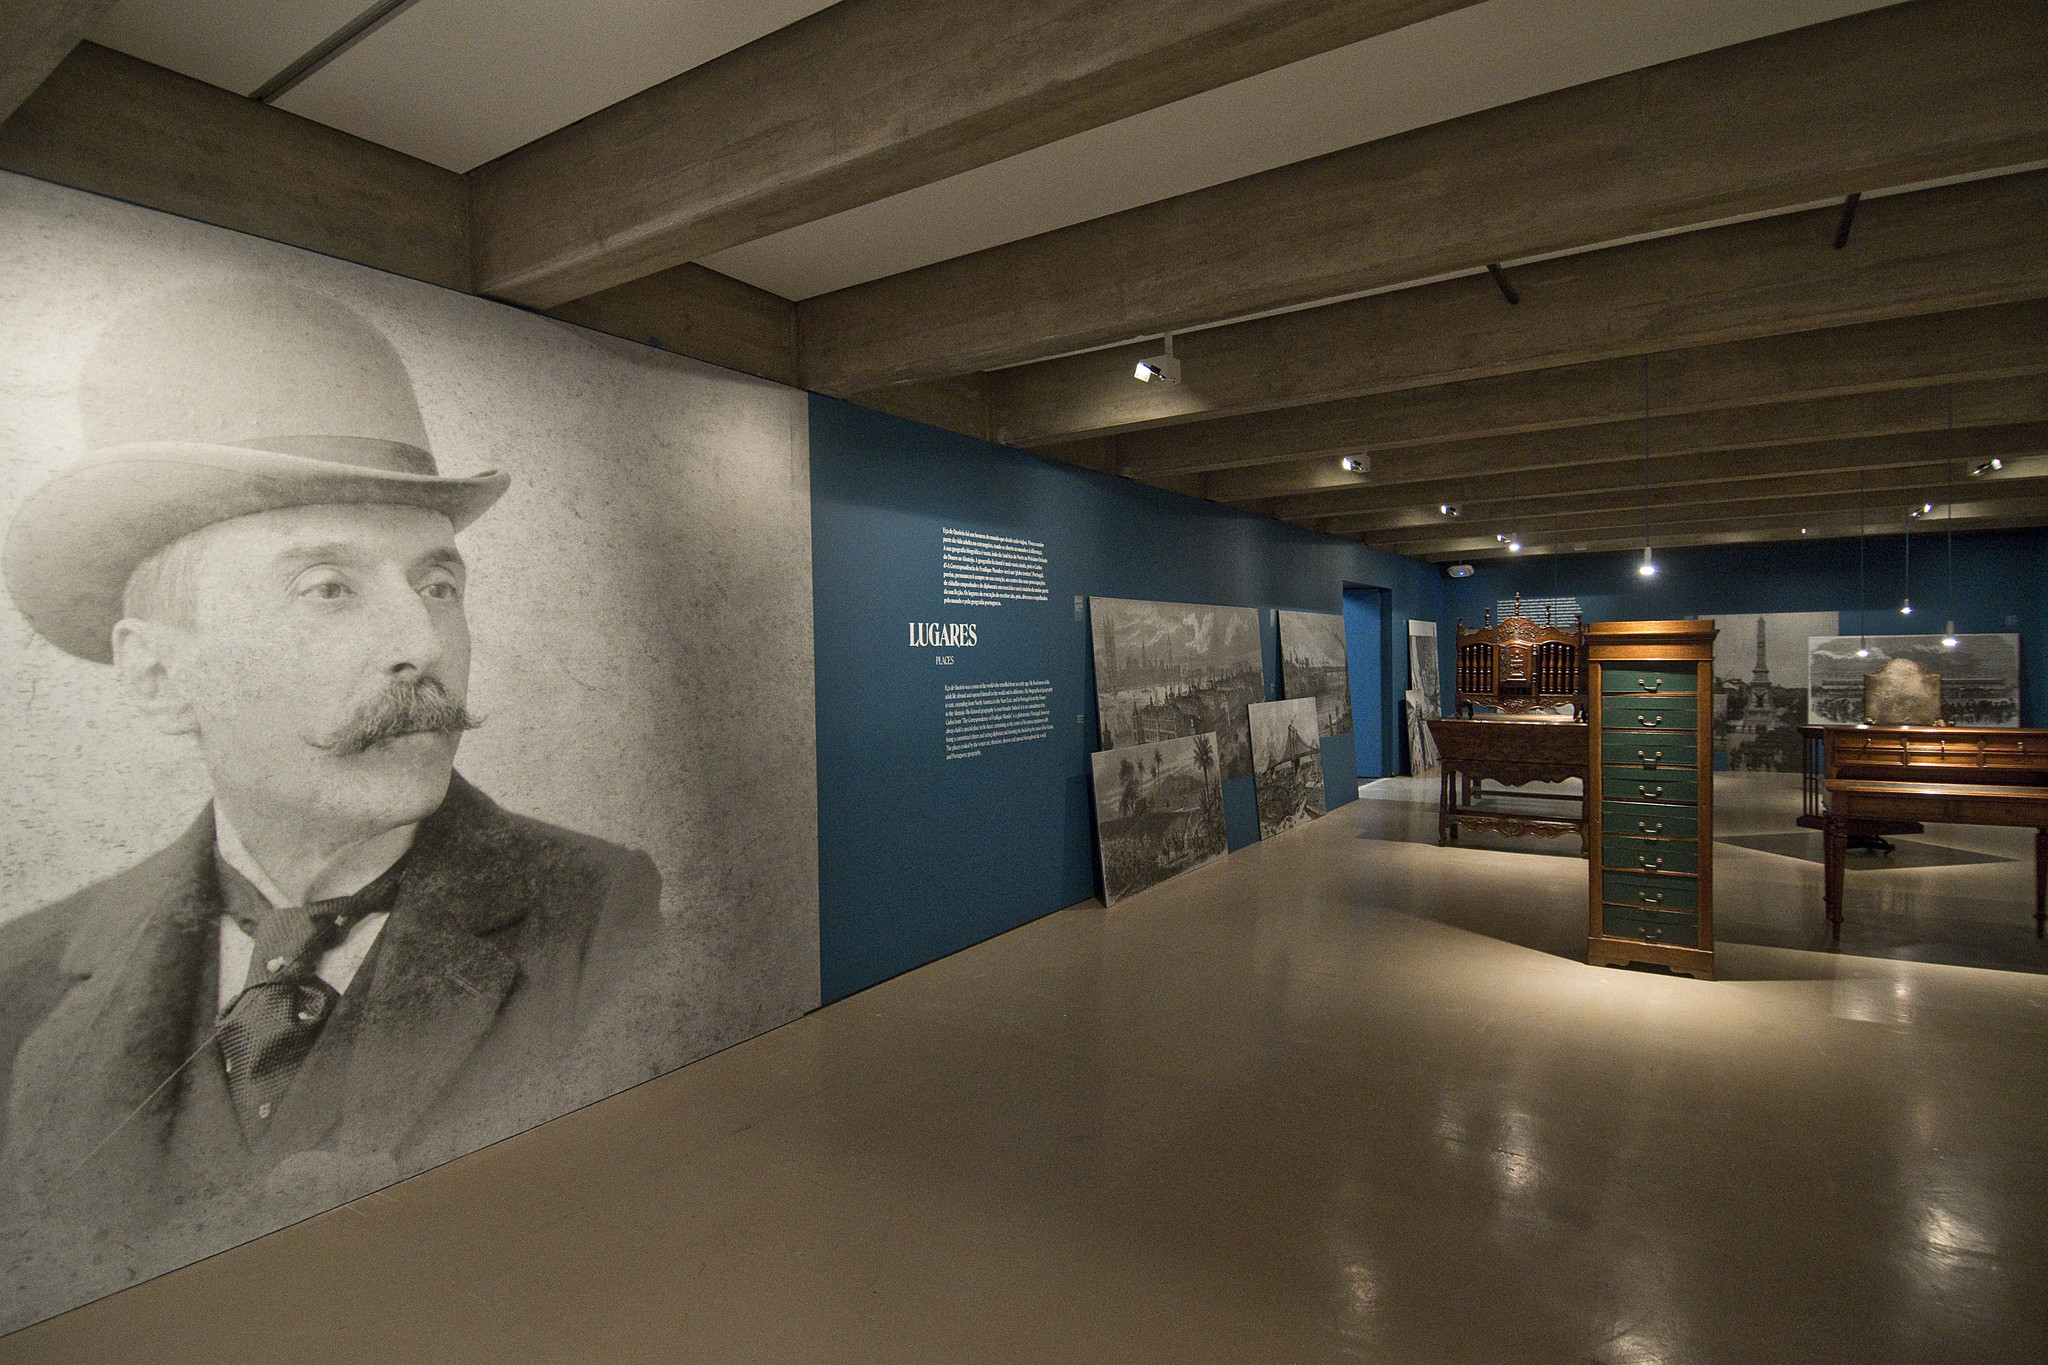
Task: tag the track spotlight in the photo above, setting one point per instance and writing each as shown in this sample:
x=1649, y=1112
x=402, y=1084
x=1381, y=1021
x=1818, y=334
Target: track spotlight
x=1161, y=369
x=1948, y=636
x=1648, y=568
x=1922, y=510
x=1447, y=509
x=1355, y=464
x=1989, y=467
x=1508, y=539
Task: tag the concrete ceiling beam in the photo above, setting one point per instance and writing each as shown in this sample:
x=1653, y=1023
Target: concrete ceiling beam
x=1891, y=97
x=859, y=101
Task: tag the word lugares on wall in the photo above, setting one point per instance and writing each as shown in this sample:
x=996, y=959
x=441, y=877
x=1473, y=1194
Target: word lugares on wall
x=942, y=635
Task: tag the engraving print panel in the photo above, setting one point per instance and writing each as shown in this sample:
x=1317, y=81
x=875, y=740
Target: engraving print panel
x=1980, y=675
x=1760, y=686
x=1164, y=670
x=1158, y=812
x=1313, y=663
x=1287, y=764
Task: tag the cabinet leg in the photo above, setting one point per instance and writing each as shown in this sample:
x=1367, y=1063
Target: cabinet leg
x=1837, y=842
x=2041, y=883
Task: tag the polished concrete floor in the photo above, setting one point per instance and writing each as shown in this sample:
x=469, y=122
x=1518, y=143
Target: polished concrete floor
x=1344, y=1096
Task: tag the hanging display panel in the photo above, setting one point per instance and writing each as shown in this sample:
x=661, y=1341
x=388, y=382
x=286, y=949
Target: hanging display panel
x=1158, y=812
x=1313, y=664
x=1287, y=764
x=1165, y=670
x=1980, y=675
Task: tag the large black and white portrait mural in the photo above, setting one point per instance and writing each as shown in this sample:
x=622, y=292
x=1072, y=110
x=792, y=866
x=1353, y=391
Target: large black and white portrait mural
x=408, y=729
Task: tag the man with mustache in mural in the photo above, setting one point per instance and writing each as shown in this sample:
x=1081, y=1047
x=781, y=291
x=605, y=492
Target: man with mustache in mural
x=353, y=964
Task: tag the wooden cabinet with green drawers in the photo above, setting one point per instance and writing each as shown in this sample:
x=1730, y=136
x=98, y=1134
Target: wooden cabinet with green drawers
x=1650, y=797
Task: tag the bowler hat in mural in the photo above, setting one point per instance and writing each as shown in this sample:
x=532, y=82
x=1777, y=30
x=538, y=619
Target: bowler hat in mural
x=210, y=403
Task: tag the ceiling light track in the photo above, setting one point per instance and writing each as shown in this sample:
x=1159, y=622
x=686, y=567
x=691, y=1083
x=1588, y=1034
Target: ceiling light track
x=336, y=43
x=1500, y=277
x=1848, y=220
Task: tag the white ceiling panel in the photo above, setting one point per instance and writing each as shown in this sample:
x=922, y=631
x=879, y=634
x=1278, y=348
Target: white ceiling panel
x=1488, y=55
x=458, y=82
x=235, y=44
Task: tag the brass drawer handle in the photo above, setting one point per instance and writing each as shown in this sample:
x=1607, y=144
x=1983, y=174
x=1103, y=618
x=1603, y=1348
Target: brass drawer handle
x=1645, y=789
x=1645, y=827
x=1649, y=760
x=1650, y=931
x=1650, y=684
x=1650, y=897
x=1649, y=864
x=1653, y=720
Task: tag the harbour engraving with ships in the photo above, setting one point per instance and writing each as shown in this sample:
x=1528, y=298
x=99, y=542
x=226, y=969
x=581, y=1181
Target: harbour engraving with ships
x=1165, y=670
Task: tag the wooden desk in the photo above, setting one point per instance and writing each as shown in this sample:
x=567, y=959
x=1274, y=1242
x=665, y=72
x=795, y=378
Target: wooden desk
x=1512, y=751
x=1942, y=774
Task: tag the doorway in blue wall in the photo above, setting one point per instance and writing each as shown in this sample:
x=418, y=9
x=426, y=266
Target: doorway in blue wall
x=1368, y=632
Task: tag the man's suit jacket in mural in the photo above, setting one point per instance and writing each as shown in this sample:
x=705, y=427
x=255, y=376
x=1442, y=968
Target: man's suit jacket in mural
x=506, y=987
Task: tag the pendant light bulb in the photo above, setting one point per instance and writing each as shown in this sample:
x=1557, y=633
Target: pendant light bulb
x=1863, y=653
x=1648, y=568
x=1948, y=636
x=1906, y=607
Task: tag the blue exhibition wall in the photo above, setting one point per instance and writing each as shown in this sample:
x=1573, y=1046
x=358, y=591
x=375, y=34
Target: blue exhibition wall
x=921, y=855
x=1997, y=589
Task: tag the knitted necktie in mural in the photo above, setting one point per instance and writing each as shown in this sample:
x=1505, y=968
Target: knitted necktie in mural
x=274, y=1022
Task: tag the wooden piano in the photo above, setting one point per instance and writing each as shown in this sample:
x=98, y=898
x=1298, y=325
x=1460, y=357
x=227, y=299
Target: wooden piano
x=1876, y=775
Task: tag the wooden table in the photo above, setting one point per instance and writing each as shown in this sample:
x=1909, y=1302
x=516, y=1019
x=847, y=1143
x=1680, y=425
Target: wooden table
x=1943, y=775
x=1512, y=751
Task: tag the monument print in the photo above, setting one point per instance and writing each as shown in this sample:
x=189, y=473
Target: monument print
x=1164, y=670
x=1760, y=686
x=1313, y=664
